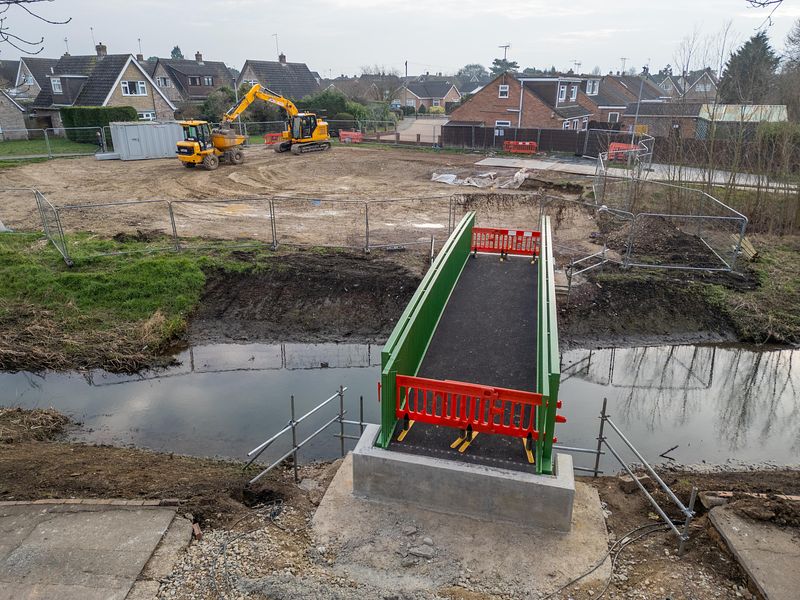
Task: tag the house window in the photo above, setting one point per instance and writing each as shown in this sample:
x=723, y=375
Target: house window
x=208, y=81
x=576, y=124
x=56, y=83
x=250, y=82
x=562, y=93
x=502, y=123
x=435, y=102
x=573, y=93
x=194, y=81
x=147, y=115
x=565, y=125
x=584, y=123
x=613, y=117
x=502, y=91
x=703, y=87
x=410, y=102
x=29, y=80
x=134, y=88
x=592, y=87
x=162, y=82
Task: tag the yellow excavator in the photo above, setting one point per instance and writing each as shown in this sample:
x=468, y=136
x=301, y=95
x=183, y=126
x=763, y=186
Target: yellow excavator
x=201, y=145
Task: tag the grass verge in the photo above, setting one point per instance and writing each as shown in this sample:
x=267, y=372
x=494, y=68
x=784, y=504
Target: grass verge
x=11, y=148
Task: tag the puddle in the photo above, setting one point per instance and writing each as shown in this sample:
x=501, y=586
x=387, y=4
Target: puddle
x=713, y=403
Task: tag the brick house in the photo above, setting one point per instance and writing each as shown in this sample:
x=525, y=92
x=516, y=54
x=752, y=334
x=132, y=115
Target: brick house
x=100, y=80
x=610, y=95
x=27, y=81
x=415, y=94
x=536, y=102
x=12, y=119
x=185, y=80
x=292, y=80
x=694, y=86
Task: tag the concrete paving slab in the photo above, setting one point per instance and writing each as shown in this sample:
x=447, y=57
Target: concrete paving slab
x=382, y=543
x=65, y=551
x=769, y=554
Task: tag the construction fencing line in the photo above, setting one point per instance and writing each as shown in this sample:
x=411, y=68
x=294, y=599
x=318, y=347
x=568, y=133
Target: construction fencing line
x=263, y=221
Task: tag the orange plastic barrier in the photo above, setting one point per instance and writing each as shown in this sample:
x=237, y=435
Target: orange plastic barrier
x=521, y=147
x=351, y=137
x=619, y=151
x=272, y=138
x=468, y=405
x=506, y=241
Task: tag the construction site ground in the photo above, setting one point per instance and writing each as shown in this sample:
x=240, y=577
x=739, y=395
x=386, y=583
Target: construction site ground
x=258, y=542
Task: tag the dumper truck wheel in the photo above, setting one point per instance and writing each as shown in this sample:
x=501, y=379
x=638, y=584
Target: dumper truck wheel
x=189, y=165
x=237, y=157
x=210, y=162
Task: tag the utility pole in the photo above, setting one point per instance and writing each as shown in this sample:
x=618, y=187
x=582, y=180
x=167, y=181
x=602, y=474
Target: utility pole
x=405, y=90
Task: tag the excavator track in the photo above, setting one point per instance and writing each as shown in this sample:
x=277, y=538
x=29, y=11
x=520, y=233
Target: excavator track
x=310, y=147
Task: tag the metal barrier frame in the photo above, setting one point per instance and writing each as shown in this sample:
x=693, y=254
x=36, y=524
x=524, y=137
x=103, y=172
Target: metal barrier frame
x=518, y=242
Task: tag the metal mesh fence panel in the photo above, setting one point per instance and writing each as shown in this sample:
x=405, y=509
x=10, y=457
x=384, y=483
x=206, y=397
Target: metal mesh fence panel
x=241, y=221
x=409, y=221
x=306, y=221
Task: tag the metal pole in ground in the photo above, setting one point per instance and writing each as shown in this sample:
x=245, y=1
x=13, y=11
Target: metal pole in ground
x=341, y=419
x=361, y=413
x=688, y=521
x=294, y=442
x=432, y=248
x=273, y=226
x=47, y=143
x=174, y=229
x=600, y=438
x=366, y=225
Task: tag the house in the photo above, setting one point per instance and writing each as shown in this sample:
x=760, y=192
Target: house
x=610, y=95
x=31, y=71
x=100, y=80
x=8, y=73
x=292, y=80
x=698, y=119
x=535, y=102
x=12, y=119
x=694, y=86
x=184, y=80
x=427, y=93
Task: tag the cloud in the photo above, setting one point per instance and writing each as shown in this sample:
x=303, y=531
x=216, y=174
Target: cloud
x=467, y=9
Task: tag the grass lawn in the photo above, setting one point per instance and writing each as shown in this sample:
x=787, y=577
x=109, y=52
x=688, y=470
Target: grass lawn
x=10, y=148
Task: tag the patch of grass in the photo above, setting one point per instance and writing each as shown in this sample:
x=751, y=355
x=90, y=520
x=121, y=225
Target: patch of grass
x=33, y=147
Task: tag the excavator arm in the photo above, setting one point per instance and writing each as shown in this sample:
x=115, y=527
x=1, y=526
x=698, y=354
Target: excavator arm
x=262, y=94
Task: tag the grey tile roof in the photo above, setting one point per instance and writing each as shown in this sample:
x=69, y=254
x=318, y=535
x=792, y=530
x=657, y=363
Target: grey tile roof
x=181, y=68
x=609, y=95
x=429, y=89
x=8, y=71
x=293, y=80
x=571, y=112
x=632, y=83
x=664, y=109
x=543, y=91
x=39, y=67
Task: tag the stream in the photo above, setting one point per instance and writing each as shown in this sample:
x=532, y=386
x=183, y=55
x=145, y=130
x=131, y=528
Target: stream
x=705, y=404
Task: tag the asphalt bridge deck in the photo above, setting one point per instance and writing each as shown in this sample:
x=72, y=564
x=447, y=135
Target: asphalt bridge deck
x=487, y=335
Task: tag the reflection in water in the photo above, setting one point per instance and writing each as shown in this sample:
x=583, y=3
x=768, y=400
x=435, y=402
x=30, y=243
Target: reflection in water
x=714, y=403
x=743, y=402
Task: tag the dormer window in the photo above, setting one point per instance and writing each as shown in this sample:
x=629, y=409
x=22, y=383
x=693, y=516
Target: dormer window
x=55, y=82
x=562, y=93
x=194, y=81
x=502, y=91
x=574, y=93
x=208, y=81
x=592, y=87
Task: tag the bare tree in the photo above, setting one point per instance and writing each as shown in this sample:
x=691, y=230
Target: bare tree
x=25, y=7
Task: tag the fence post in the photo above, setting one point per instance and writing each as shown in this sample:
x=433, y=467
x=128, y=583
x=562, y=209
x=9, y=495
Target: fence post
x=366, y=227
x=294, y=441
x=473, y=137
x=600, y=438
x=341, y=418
x=47, y=143
x=538, y=139
x=174, y=229
x=688, y=521
x=272, y=222
x=361, y=413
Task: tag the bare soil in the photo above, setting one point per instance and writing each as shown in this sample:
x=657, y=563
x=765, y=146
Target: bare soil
x=216, y=495
x=305, y=297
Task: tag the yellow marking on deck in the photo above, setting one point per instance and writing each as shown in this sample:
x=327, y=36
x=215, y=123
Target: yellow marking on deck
x=466, y=444
x=458, y=441
x=528, y=451
x=404, y=433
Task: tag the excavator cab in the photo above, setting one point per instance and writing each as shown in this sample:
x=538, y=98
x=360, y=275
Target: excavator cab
x=303, y=127
x=197, y=131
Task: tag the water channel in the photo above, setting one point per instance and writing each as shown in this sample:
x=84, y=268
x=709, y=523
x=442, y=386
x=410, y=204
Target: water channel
x=716, y=404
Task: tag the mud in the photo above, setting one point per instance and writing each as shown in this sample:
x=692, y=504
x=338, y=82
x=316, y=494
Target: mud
x=305, y=297
x=775, y=510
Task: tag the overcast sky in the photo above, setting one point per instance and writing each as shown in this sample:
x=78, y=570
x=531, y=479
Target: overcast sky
x=341, y=36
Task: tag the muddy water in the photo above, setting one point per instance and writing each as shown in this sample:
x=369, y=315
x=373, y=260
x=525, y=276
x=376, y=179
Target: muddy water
x=715, y=404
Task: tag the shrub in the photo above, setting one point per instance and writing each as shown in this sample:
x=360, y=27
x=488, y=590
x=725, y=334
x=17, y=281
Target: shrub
x=408, y=110
x=436, y=110
x=93, y=116
x=422, y=110
x=344, y=117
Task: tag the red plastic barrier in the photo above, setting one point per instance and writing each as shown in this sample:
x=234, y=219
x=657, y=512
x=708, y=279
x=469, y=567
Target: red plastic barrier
x=272, y=138
x=521, y=147
x=506, y=241
x=619, y=151
x=461, y=405
x=351, y=137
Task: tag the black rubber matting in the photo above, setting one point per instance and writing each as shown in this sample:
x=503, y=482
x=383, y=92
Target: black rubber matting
x=486, y=335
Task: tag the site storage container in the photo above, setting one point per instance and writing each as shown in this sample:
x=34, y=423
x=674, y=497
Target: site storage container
x=141, y=140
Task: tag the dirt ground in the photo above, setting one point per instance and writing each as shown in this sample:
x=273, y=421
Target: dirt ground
x=257, y=545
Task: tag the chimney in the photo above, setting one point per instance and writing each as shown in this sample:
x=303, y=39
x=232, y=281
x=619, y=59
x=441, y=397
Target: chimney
x=140, y=57
x=282, y=58
x=101, y=49
x=198, y=57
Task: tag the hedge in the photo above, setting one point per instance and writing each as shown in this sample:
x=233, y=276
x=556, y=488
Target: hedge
x=93, y=116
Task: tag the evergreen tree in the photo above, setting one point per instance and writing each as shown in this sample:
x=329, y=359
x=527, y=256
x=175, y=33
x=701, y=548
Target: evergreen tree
x=502, y=65
x=472, y=71
x=792, y=55
x=749, y=75
x=176, y=53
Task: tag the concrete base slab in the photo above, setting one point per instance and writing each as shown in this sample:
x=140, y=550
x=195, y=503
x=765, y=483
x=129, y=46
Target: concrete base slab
x=384, y=544
x=472, y=490
x=769, y=554
x=76, y=551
